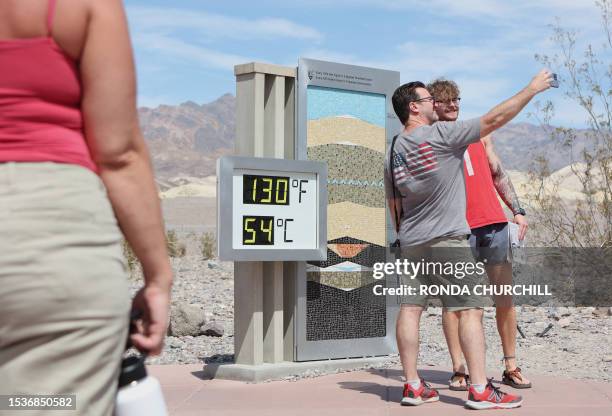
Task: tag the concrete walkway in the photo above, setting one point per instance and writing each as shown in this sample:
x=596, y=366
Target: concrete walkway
x=371, y=393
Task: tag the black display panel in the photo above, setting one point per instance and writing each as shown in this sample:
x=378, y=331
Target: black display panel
x=257, y=230
x=267, y=190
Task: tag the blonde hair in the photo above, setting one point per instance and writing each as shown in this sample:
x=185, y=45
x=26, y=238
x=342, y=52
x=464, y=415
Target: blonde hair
x=443, y=89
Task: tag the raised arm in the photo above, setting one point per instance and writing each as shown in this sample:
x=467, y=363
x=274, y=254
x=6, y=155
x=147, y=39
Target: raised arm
x=501, y=179
x=504, y=185
x=506, y=111
x=118, y=148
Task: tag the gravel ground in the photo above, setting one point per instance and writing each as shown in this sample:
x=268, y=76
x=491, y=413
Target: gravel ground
x=210, y=286
x=579, y=345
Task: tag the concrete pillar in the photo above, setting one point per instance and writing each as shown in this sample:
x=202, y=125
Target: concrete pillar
x=265, y=115
x=273, y=311
x=248, y=312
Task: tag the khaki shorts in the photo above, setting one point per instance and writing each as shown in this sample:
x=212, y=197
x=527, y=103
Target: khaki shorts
x=451, y=250
x=64, y=298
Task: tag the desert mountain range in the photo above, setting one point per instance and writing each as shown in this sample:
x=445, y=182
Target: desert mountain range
x=185, y=141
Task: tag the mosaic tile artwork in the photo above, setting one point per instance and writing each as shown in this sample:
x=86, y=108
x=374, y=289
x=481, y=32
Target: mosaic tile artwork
x=347, y=250
x=341, y=280
x=335, y=314
x=366, y=257
x=354, y=172
x=346, y=129
x=326, y=102
x=345, y=240
x=349, y=219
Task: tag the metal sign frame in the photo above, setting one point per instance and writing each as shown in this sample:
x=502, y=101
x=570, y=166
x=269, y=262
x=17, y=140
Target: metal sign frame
x=359, y=79
x=225, y=188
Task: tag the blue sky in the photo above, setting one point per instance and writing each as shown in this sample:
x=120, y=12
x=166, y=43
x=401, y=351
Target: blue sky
x=186, y=49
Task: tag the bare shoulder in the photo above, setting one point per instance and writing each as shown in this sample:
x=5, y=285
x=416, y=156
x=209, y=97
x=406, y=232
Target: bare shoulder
x=73, y=21
x=106, y=16
x=69, y=25
x=107, y=6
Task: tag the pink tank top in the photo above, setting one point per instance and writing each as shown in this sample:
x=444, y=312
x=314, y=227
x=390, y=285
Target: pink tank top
x=40, y=102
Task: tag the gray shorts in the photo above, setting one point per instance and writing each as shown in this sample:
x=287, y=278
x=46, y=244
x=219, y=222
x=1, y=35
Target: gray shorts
x=453, y=250
x=490, y=244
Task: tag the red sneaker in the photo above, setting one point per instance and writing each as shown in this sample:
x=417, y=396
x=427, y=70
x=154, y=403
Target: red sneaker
x=492, y=398
x=415, y=397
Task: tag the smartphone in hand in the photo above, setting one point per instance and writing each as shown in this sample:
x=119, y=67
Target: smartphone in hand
x=555, y=82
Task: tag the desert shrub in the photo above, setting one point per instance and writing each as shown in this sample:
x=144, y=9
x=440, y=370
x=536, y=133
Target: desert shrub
x=208, y=245
x=586, y=81
x=175, y=247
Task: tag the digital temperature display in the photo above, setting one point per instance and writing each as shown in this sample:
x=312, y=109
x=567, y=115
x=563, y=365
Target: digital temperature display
x=257, y=230
x=271, y=209
x=272, y=190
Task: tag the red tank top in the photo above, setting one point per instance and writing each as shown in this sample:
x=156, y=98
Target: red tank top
x=40, y=102
x=483, y=207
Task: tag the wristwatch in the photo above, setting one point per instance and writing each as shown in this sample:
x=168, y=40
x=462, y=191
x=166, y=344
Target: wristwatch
x=520, y=211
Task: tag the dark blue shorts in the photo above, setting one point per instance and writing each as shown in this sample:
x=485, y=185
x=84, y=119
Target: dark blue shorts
x=490, y=243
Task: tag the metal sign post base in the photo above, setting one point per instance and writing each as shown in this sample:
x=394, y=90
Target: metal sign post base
x=267, y=372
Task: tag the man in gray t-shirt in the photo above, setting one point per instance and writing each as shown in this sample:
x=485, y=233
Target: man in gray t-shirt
x=428, y=173
x=427, y=168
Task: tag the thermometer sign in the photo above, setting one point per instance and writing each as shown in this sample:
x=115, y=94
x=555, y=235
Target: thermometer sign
x=271, y=209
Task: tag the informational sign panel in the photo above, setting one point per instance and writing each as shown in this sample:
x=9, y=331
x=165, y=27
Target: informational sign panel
x=271, y=209
x=345, y=118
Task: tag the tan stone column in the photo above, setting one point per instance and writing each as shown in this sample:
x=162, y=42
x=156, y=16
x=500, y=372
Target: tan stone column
x=265, y=114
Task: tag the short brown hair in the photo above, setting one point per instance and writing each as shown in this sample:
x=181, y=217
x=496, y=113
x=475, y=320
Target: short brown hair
x=443, y=89
x=402, y=97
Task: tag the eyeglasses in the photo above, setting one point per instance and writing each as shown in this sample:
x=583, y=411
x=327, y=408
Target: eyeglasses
x=455, y=101
x=430, y=99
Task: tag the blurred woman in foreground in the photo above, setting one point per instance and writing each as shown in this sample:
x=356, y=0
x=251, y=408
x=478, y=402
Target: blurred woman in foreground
x=74, y=169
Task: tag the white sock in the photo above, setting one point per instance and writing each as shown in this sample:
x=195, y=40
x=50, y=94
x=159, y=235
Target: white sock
x=479, y=387
x=415, y=384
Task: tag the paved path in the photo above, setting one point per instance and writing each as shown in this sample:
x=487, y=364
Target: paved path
x=371, y=393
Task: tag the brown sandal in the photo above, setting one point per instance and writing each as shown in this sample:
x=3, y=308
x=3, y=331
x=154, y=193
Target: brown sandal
x=508, y=379
x=460, y=387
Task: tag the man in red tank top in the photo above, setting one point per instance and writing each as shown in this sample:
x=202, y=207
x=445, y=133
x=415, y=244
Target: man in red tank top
x=485, y=178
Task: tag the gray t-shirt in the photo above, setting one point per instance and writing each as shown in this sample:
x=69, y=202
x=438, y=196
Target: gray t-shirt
x=428, y=173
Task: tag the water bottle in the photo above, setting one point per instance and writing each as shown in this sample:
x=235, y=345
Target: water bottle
x=139, y=394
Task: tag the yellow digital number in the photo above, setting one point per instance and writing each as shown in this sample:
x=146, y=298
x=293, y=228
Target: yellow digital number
x=249, y=230
x=285, y=182
x=268, y=230
x=254, y=190
x=268, y=190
